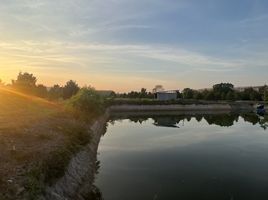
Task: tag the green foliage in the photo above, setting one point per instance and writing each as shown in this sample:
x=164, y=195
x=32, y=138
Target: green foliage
x=54, y=166
x=112, y=95
x=158, y=88
x=221, y=91
x=197, y=95
x=87, y=101
x=179, y=95
x=71, y=88
x=55, y=93
x=230, y=96
x=25, y=82
x=266, y=96
x=223, y=87
x=250, y=94
x=188, y=93
x=134, y=94
x=41, y=91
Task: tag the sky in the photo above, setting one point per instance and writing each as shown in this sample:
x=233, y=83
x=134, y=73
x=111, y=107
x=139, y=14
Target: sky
x=129, y=44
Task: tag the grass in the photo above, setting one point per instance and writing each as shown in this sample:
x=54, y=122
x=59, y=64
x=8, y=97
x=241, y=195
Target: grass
x=19, y=110
x=37, y=140
x=53, y=167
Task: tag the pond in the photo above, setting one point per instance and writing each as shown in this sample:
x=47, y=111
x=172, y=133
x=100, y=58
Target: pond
x=223, y=157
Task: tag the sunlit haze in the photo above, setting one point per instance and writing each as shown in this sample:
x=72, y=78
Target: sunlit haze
x=128, y=44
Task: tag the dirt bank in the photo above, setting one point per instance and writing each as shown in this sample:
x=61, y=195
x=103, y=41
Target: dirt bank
x=79, y=176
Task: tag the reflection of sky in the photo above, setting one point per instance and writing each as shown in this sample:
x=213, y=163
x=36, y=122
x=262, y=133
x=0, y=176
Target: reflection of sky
x=195, y=161
x=146, y=137
x=115, y=43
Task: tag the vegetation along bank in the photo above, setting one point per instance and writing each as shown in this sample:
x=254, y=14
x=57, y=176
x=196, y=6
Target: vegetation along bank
x=49, y=136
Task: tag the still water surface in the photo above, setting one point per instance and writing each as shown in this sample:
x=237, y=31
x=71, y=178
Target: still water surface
x=211, y=157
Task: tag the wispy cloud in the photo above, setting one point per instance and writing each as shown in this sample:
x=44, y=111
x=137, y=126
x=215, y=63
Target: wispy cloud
x=80, y=51
x=159, y=39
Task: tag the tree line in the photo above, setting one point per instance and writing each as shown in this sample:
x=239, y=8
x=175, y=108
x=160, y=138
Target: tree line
x=226, y=91
x=221, y=91
x=84, y=100
x=27, y=83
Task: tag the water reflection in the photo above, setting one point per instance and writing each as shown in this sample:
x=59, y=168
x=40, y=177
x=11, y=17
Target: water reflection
x=95, y=194
x=212, y=156
x=166, y=122
x=223, y=120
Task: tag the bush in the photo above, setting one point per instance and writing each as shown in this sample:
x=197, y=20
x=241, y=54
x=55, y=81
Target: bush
x=266, y=96
x=88, y=101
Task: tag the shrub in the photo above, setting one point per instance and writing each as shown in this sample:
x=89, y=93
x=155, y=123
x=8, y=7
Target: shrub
x=87, y=101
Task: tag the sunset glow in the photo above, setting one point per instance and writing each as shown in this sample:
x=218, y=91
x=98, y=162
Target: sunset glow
x=176, y=44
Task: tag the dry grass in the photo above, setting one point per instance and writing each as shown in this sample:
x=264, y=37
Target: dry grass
x=20, y=110
x=37, y=139
x=26, y=136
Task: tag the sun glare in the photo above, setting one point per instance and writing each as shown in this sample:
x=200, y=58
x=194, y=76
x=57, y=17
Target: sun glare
x=29, y=97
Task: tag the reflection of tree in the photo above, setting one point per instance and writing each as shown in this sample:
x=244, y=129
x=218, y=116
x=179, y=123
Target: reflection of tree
x=199, y=118
x=251, y=117
x=94, y=194
x=138, y=119
x=256, y=119
x=222, y=119
x=166, y=122
x=264, y=122
x=217, y=119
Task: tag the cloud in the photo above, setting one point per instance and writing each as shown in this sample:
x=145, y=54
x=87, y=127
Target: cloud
x=114, y=57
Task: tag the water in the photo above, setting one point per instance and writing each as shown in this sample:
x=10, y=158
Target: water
x=219, y=157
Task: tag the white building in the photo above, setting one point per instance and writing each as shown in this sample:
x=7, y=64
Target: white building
x=166, y=95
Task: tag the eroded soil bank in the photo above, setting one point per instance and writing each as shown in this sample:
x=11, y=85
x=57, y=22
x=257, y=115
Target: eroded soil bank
x=79, y=176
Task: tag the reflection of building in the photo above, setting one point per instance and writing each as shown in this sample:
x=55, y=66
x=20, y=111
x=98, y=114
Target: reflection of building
x=166, y=122
x=166, y=95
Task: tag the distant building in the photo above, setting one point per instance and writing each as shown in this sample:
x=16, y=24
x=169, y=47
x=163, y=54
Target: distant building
x=166, y=95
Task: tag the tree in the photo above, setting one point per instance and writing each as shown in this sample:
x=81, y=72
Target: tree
x=112, y=95
x=209, y=95
x=143, y=93
x=266, y=95
x=41, y=91
x=55, y=93
x=88, y=101
x=25, y=82
x=263, y=92
x=251, y=94
x=1, y=83
x=230, y=96
x=188, y=93
x=71, y=88
x=158, y=88
x=223, y=88
x=197, y=95
x=179, y=95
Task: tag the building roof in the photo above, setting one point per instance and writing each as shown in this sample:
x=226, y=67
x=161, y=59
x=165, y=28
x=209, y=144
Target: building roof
x=168, y=91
